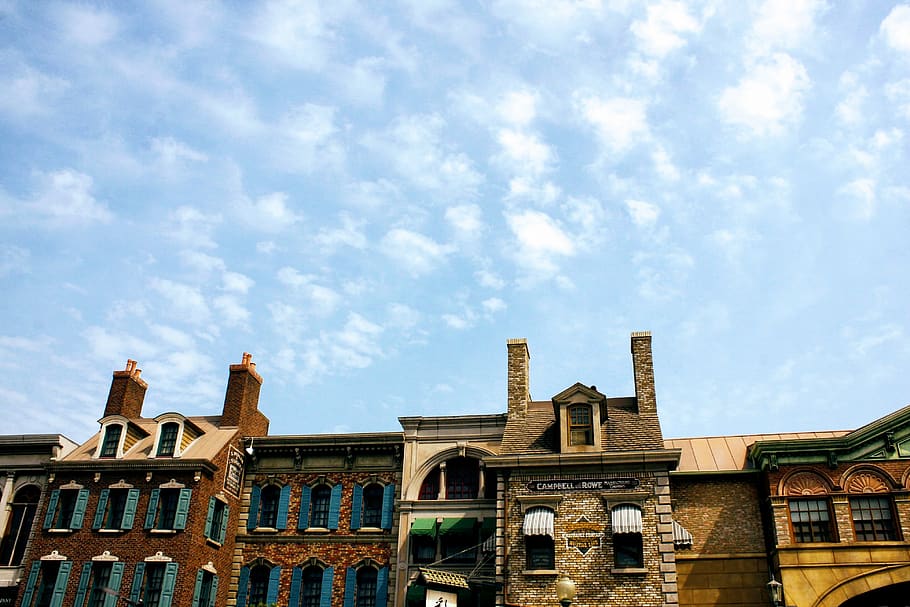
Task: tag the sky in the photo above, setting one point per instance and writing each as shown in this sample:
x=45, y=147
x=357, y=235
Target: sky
x=371, y=198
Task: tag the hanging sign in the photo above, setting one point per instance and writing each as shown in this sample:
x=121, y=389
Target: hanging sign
x=584, y=484
x=439, y=598
x=233, y=478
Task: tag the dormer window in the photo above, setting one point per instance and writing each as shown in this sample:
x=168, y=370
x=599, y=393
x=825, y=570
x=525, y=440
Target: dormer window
x=111, y=444
x=167, y=441
x=581, y=428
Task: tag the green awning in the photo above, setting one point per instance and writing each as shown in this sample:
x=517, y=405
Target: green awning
x=487, y=527
x=457, y=526
x=425, y=527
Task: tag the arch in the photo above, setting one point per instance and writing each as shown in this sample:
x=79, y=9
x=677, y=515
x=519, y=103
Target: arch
x=313, y=561
x=862, y=583
x=804, y=482
x=905, y=478
x=412, y=492
x=864, y=478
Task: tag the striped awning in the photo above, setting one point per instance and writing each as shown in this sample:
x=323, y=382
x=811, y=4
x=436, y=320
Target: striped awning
x=681, y=536
x=488, y=534
x=626, y=519
x=538, y=521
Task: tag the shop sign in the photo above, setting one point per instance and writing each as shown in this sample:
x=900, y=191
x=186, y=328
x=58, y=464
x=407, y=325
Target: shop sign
x=233, y=478
x=583, y=535
x=8, y=596
x=438, y=598
x=584, y=484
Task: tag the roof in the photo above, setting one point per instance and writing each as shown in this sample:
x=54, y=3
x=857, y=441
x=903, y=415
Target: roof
x=443, y=578
x=729, y=453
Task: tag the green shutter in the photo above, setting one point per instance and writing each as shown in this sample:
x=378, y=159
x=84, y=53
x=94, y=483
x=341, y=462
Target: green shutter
x=208, y=522
x=356, y=506
x=243, y=586
x=304, y=518
x=136, y=589
x=30, y=585
x=79, y=510
x=382, y=587
x=334, y=506
x=225, y=518
x=100, y=511
x=152, y=512
x=51, y=508
x=167, y=585
x=183, y=508
x=114, y=584
x=388, y=504
x=252, y=518
x=63, y=575
x=350, y=586
x=284, y=498
x=129, y=510
x=214, y=592
x=197, y=589
x=274, y=580
x=325, y=596
x=296, y=576
x=83, y=584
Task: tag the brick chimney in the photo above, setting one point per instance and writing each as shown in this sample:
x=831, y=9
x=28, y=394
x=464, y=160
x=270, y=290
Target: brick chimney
x=643, y=368
x=241, y=401
x=127, y=392
x=519, y=389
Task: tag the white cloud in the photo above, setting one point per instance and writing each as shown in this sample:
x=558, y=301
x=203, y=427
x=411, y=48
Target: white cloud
x=462, y=321
x=322, y=300
x=110, y=346
x=662, y=32
x=644, y=214
x=785, y=24
x=768, y=98
x=184, y=301
x=550, y=24
x=850, y=109
x=662, y=274
x=202, y=262
x=64, y=199
x=402, y=316
x=27, y=91
x=355, y=346
x=364, y=82
x=518, y=108
x=306, y=139
x=231, y=310
x=235, y=282
x=415, y=253
x=297, y=33
x=524, y=153
x=541, y=242
x=349, y=234
x=898, y=94
x=266, y=247
x=466, y=220
x=171, y=152
x=488, y=278
x=84, y=25
x=493, y=305
x=860, y=193
x=13, y=260
x=588, y=219
x=619, y=122
x=192, y=227
x=895, y=29
x=269, y=213
x=887, y=333
x=663, y=164
x=733, y=243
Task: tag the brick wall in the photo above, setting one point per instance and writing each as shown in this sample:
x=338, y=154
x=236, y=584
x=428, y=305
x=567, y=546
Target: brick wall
x=723, y=515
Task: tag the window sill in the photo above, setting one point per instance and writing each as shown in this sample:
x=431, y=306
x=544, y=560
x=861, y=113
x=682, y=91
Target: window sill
x=629, y=570
x=265, y=530
x=110, y=530
x=59, y=530
x=164, y=531
x=370, y=530
x=539, y=572
x=316, y=530
x=212, y=542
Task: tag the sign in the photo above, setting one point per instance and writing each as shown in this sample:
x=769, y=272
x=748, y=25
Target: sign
x=583, y=535
x=8, y=596
x=438, y=598
x=584, y=484
x=233, y=478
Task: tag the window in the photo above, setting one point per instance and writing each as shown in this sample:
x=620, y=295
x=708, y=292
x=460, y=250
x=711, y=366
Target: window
x=462, y=478
x=153, y=584
x=206, y=589
x=168, y=509
x=540, y=552
x=366, y=587
x=116, y=509
x=581, y=428
x=628, y=549
x=423, y=548
x=458, y=539
x=46, y=583
x=268, y=507
x=429, y=490
x=319, y=509
x=258, y=585
x=154, y=581
x=98, y=579
x=23, y=508
x=371, y=506
x=101, y=575
x=311, y=586
x=872, y=519
x=167, y=441
x=111, y=444
x=66, y=509
x=811, y=520
x=216, y=520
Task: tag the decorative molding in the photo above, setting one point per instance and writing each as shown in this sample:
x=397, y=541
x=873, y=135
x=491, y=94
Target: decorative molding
x=158, y=558
x=72, y=485
x=867, y=482
x=53, y=556
x=105, y=556
x=121, y=484
x=806, y=483
x=172, y=484
x=210, y=568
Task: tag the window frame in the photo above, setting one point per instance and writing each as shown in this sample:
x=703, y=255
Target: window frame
x=576, y=425
x=172, y=443
x=366, y=586
x=540, y=553
x=269, y=499
x=110, y=447
x=886, y=506
x=66, y=508
x=22, y=517
x=811, y=528
x=159, y=520
x=321, y=506
x=463, y=478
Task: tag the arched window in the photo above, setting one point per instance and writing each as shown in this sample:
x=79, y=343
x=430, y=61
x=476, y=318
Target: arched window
x=429, y=490
x=462, y=478
x=167, y=442
x=110, y=446
x=365, y=595
x=259, y=585
x=372, y=505
x=320, y=500
x=311, y=587
x=581, y=428
x=268, y=506
x=23, y=508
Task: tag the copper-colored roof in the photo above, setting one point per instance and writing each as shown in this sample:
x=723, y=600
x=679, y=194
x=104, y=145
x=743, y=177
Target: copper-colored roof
x=728, y=453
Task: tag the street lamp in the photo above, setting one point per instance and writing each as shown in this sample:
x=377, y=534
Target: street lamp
x=565, y=591
x=775, y=591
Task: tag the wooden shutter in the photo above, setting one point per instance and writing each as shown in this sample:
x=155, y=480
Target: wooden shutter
x=296, y=577
x=63, y=575
x=83, y=583
x=136, y=589
x=30, y=585
x=382, y=587
x=252, y=518
x=208, y=525
x=113, y=583
x=79, y=510
x=129, y=510
x=274, y=579
x=388, y=505
x=334, y=506
x=284, y=498
x=183, y=508
x=167, y=586
x=304, y=518
x=213, y=593
x=350, y=587
x=225, y=517
x=197, y=589
x=356, y=506
x=99, y=512
x=325, y=597
x=243, y=586
x=152, y=512
x=51, y=508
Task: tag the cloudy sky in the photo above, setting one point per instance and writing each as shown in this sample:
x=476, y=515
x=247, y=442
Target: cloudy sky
x=372, y=197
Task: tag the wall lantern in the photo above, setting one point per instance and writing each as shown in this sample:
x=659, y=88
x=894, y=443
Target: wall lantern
x=775, y=591
x=565, y=591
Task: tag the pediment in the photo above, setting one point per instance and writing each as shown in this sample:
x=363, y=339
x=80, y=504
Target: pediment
x=579, y=393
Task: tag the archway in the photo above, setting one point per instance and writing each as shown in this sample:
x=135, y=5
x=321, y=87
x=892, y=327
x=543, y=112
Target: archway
x=896, y=595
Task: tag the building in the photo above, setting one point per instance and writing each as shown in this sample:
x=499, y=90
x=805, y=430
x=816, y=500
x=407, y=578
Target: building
x=22, y=462
x=319, y=521
x=146, y=508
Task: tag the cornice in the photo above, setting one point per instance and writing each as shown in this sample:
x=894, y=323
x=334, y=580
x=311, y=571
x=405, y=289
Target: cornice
x=663, y=458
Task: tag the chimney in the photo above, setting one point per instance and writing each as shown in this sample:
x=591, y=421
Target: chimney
x=643, y=368
x=519, y=389
x=241, y=401
x=127, y=392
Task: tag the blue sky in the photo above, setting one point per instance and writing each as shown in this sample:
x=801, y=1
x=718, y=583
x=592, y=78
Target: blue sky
x=372, y=197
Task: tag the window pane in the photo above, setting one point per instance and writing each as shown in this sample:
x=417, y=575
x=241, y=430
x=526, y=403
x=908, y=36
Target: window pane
x=429, y=490
x=167, y=508
x=581, y=430
x=65, y=508
x=111, y=441
x=217, y=515
x=811, y=520
x=116, y=504
x=372, y=506
x=205, y=592
x=539, y=552
x=259, y=585
x=366, y=587
x=319, y=506
x=168, y=441
x=872, y=519
x=268, y=506
x=49, y=572
x=101, y=575
x=312, y=587
x=154, y=577
x=628, y=550
x=462, y=478
x=22, y=515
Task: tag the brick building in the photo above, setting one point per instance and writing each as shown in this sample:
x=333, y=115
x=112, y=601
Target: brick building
x=146, y=507
x=319, y=521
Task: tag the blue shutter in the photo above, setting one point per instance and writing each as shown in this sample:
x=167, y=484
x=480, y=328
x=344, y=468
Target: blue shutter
x=79, y=510
x=225, y=518
x=152, y=513
x=99, y=511
x=325, y=596
x=183, y=508
x=350, y=586
x=243, y=586
x=30, y=585
x=304, y=519
x=83, y=583
x=296, y=576
x=208, y=522
x=51, y=508
x=382, y=587
x=114, y=584
x=284, y=498
x=253, y=518
x=274, y=579
x=129, y=510
x=388, y=505
x=197, y=589
x=167, y=585
x=63, y=575
x=136, y=589
x=214, y=592
x=356, y=505
x=335, y=506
